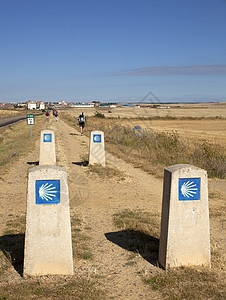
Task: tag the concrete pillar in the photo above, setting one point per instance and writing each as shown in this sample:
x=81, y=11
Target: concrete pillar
x=185, y=234
x=48, y=246
x=96, y=148
x=47, y=148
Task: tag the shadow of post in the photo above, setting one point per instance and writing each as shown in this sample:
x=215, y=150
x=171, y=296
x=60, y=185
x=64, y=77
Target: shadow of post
x=12, y=247
x=138, y=242
x=81, y=163
x=36, y=163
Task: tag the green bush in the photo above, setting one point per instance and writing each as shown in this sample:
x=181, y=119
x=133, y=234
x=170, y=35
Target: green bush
x=99, y=115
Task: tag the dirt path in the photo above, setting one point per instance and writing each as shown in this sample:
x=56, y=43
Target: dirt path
x=95, y=200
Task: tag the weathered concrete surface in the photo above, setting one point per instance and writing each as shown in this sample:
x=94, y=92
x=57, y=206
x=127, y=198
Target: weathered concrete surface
x=47, y=148
x=48, y=246
x=185, y=234
x=96, y=148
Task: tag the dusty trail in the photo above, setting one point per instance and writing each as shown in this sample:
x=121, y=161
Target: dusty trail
x=96, y=200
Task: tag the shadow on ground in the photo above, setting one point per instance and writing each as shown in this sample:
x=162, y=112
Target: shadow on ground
x=12, y=247
x=81, y=163
x=138, y=242
x=36, y=163
x=74, y=133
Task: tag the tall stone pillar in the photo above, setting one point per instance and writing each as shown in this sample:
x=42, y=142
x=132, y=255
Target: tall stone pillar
x=48, y=245
x=185, y=233
x=47, y=148
x=96, y=148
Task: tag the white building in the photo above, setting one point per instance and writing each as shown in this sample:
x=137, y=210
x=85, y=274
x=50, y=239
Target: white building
x=31, y=105
x=83, y=105
x=62, y=103
x=42, y=106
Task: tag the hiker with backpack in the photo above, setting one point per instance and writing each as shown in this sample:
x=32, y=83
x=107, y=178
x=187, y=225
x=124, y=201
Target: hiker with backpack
x=81, y=122
x=56, y=115
x=47, y=115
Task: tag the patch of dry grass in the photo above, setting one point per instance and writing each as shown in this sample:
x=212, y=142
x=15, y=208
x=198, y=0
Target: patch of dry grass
x=139, y=233
x=106, y=172
x=15, y=140
x=217, y=204
x=56, y=287
x=4, y=113
x=15, y=225
x=138, y=220
x=12, y=245
x=188, y=283
x=80, y=239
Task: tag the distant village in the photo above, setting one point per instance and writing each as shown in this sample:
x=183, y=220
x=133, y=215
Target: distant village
x=40, y=105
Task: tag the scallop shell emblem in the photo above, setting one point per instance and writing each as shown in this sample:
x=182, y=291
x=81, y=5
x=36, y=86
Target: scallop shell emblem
x=46, y=192
x=47, y=137
x=97, y=138
x=189, y=189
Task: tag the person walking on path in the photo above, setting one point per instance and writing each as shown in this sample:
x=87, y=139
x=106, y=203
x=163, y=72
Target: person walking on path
x=47, y=115
x=56, y=115
x=82, y=121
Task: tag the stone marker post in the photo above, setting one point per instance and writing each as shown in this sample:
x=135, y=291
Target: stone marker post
x=96, y=148
x=48, y=246
x=47, y=148
x=185, y=235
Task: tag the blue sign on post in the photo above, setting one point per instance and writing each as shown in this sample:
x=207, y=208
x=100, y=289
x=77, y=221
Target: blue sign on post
x=47, y=137
x=47, y=191
x=189, y=189
x=97, y=138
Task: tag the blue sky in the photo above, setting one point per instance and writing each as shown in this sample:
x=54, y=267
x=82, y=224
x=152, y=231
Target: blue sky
x=111, y=50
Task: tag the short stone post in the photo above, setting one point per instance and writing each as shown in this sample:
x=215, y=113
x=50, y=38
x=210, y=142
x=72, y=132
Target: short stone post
x=96, y=148
x=185, y=234
x=48, y=246
x=47, y=148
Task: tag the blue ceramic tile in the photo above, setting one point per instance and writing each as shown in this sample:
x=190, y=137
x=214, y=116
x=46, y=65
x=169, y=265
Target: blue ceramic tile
x=97, y=138
x=47, y=137
x=189, y=189
x=47, y=191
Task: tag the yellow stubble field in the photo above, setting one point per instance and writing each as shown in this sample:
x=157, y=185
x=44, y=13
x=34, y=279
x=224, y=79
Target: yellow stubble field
x=204, y=121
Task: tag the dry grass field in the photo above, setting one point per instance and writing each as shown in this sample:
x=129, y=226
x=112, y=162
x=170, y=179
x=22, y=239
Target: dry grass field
x=198, y=121
x=208, y=110
x=8, y=113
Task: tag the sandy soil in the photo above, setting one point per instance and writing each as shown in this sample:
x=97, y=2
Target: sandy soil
x=95, y=200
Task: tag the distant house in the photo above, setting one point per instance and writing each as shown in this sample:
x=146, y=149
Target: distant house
x=104, y=105
x=31, y=105
x=96, y=103
x=62, y=103
x=82, y=105
x=42, y=106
